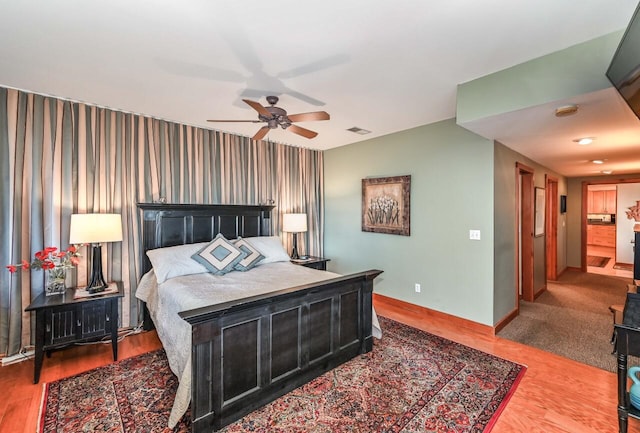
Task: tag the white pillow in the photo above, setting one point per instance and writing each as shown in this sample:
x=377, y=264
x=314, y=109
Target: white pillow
x=171, y=262
x=270, y=247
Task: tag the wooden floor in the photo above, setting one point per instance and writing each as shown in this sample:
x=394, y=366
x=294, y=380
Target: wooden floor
x=608, y=269
x=555, y=395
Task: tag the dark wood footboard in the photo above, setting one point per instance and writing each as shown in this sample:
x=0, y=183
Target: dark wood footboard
x=250, y=352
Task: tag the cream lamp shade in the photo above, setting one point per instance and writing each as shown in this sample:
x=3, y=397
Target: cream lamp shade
x=94, y=229
x=294, y=222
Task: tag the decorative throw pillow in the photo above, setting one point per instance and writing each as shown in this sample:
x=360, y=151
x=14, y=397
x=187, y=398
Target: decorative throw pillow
x=252, y=258
x=171, y=262
x=270, y=247
x=219, y=256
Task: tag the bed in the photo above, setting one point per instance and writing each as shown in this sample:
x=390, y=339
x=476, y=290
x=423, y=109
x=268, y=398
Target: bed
x=247, y=351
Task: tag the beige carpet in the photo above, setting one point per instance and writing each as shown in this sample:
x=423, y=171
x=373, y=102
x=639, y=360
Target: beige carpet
x=572, y=318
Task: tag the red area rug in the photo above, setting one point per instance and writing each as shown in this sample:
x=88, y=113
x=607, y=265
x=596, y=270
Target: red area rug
x=412, y=381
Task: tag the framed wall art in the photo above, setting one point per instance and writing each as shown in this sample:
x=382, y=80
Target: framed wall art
x=386, y=205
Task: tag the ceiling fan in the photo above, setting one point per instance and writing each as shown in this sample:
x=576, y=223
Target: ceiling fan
x=276, y=116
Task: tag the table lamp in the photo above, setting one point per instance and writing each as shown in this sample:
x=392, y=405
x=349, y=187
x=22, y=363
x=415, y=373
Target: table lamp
x=95, y=229
x=294, y=223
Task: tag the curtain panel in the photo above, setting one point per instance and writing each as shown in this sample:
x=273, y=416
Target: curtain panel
x=59, y=157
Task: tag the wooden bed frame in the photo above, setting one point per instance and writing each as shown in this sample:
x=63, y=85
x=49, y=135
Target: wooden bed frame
x=249, y=352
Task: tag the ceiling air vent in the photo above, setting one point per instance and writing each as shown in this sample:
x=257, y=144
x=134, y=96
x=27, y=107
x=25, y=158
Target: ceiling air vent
x=359, y=130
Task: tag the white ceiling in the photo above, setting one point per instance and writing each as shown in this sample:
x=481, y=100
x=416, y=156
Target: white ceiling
x=380, y=65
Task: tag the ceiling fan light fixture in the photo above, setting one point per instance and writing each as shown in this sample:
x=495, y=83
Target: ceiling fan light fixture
x=566, y=110
x=359, y=130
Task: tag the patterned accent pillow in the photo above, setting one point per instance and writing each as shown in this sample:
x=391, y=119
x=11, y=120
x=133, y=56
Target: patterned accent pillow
x=219, y=256
x=253, y=255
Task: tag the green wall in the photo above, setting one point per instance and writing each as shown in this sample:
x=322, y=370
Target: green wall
x=573, y=71
x=451, y=192
x=505, y=228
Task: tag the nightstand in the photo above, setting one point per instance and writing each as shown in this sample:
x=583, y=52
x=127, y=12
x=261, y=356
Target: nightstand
x=62, y=320
x=319, y=263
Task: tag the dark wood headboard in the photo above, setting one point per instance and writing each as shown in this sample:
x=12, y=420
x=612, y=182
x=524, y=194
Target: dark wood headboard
x=166, y=225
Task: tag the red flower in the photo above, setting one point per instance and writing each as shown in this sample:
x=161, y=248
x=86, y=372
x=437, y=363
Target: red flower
x=48, y=264
x=50, y=258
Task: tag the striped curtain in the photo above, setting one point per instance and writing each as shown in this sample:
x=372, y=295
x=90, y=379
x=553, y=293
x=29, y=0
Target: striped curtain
x=59, y=157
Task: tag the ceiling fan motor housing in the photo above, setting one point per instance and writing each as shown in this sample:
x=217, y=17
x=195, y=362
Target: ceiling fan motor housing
x=278, y=117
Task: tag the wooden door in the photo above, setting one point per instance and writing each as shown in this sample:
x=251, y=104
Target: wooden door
x=551, y=232
x=524, y=233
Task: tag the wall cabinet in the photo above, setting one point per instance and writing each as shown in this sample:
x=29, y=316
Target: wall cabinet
x=601, y=201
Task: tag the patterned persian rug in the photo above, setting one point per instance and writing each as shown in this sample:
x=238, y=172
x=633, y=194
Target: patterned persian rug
x=412, y=381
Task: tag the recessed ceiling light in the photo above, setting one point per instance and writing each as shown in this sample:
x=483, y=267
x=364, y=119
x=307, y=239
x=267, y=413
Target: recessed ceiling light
x=607, y=171
x=566, y=110
x=598, y=161
x=584, y=140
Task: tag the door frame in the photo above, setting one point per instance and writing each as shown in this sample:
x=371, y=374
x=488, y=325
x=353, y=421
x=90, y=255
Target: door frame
x=524, y=233
x=551, y=228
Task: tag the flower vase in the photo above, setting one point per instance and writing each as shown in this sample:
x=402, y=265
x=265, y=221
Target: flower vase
x=55, y=281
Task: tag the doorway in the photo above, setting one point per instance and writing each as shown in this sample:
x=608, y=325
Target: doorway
x=606, y=231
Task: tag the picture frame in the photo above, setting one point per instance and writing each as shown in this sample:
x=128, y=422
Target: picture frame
x=539, y=208
x=386, y=205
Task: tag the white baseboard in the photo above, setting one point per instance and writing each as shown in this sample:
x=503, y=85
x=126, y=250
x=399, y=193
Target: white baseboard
x=18, y=357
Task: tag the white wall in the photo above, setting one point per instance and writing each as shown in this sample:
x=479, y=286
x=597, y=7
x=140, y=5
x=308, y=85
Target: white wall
x=628, y=195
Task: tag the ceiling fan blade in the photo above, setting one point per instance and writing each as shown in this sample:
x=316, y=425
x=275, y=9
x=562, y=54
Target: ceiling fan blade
x=302, y=131
x=256, y=106
x=261, y=133
x=236, y=121
x=306, y=117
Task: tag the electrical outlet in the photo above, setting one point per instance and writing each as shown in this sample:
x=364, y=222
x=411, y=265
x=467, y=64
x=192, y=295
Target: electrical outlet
x=474, y=235
x=417, y=288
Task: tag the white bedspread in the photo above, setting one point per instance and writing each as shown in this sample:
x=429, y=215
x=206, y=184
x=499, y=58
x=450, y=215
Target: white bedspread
x=184, y=293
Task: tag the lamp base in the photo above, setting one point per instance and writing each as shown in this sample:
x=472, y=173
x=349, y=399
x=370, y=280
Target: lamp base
x=294, y=251
x=97, y=283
